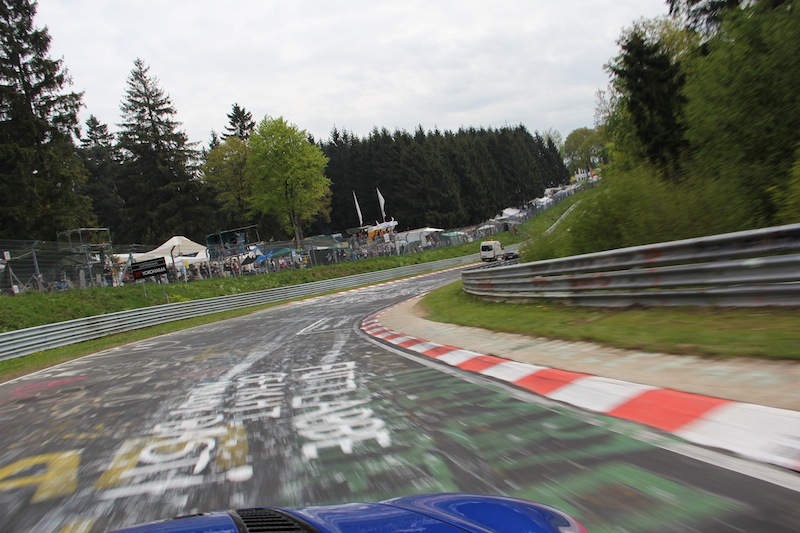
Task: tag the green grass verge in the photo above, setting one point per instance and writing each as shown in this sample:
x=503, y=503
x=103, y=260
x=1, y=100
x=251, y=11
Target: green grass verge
x=21, y=366
x=771, y=333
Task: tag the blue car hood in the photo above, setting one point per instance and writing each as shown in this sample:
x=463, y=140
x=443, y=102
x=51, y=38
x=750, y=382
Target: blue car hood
x=441, y=513
x=345, y=518
x=429, y=513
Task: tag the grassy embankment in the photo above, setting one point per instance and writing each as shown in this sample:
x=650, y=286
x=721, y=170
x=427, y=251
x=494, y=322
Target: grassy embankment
x=33, y=308
x=747, y=332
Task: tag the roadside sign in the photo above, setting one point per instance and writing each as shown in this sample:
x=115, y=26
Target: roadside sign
x=149, y=268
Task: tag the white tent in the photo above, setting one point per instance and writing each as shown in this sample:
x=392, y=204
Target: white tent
x=179, y=248
x=508, y=212
x=416, y=236
x=201, y=257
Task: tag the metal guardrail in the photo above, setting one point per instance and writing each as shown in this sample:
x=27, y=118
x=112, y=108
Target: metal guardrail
x=743, y=269
x=36, y=339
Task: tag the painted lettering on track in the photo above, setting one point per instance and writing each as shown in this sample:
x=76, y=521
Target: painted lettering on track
x=202, y=441
x=182, y=457
x=202, y=438
x=259, y=396
x=328, y=413
x=52, y=474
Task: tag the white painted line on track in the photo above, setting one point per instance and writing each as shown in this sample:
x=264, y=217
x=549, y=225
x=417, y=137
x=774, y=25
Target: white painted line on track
x=760, y=471
x=312, y=326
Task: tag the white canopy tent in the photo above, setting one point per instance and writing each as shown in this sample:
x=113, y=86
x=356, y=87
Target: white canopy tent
x=414, y=236
x=178, y=248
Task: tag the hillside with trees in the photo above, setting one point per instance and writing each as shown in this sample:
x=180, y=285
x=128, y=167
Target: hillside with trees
x=699, y=128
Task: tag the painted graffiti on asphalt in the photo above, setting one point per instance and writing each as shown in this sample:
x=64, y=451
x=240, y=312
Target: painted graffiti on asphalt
x=204, y=438
x=328, y=416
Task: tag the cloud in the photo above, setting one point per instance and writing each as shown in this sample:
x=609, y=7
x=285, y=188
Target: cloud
x=356, y=65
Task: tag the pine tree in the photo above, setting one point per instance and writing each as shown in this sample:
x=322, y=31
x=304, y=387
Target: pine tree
x=102, y=163
x=161, y=195
x=214, y=141
x=241, y=123
x=651, y=85
x=39, y=169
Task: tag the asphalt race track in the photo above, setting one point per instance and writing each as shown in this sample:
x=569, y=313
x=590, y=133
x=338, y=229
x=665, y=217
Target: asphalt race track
x=295, y=405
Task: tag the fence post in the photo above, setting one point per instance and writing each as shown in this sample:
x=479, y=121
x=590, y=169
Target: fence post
x=36, y=267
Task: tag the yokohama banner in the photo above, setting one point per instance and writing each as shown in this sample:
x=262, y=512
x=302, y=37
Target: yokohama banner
x=146, y=269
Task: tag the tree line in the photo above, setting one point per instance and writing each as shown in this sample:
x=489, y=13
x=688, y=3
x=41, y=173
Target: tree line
x=147, y=181
x=447, y=179
x=443, y=179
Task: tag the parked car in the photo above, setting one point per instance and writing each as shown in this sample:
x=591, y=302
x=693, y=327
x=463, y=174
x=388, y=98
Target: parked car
x=426, y=513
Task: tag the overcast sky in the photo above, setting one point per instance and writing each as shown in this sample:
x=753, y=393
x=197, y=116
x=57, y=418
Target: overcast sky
x=352, y=64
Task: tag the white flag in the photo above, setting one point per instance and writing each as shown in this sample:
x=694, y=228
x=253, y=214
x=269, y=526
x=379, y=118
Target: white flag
x=358, y=210
x=382, y=202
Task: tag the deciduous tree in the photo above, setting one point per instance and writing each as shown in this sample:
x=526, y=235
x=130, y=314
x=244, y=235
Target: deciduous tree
x=225, y=172
x=583, y=148
x=288, y=175
x=703, y=15
x=706, y=15
x=743, y=111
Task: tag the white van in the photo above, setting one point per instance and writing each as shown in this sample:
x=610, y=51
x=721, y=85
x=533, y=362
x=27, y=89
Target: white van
x=491, y=251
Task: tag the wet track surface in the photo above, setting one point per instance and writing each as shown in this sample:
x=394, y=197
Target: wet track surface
x=294, y=405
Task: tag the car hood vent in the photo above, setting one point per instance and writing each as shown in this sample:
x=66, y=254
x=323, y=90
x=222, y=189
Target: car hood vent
x=261, y=520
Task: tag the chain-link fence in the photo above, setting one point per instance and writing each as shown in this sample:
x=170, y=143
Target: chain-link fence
x=60, y=265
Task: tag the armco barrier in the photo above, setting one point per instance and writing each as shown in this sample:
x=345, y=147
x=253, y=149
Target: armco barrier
x=742, y=269
x=31, y=340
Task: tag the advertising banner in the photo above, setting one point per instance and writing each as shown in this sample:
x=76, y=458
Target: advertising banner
x=150, y=268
